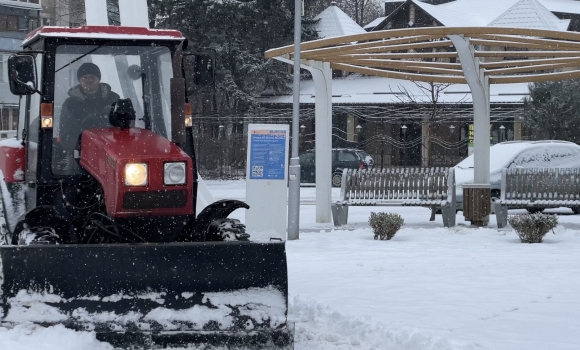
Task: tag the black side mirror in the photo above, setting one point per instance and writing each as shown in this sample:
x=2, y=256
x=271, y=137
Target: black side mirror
x=199, y=69
x=22, y=74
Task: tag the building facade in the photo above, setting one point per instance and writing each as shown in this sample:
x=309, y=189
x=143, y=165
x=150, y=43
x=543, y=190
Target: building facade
x=17, y=18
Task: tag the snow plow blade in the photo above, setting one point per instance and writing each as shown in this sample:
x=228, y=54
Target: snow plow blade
x=228, y=294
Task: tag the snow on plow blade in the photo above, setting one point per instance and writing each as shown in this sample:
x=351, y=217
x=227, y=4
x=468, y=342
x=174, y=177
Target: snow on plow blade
x=232, y=294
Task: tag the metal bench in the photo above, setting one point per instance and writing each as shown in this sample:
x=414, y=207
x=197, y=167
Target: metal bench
x=422, y=187
x=539, y=189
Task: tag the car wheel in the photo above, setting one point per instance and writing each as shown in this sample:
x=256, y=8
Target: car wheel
x=336, y=179
x=576, y=210
x=535, y=210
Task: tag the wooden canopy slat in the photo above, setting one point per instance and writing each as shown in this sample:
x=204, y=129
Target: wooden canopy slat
x=526, y=53
x=399, y=75
x=528, y=40
x=536, y=78
x=530, y=68
x=341, y=48
x=377, y=49
x=518, y=63
x=520, y=45
x=400, y=65
x=437, y=31
x=444, y=65
x=404, y=55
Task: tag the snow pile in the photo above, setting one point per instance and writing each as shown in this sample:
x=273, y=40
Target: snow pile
x=259, y=307
x=319, y=327
x=29, y=336
x=12, y=143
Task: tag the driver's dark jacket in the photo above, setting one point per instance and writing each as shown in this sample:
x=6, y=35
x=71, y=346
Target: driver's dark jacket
x=81, y=112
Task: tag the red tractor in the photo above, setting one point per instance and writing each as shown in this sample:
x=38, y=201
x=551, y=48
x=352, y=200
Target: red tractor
x=98, y=225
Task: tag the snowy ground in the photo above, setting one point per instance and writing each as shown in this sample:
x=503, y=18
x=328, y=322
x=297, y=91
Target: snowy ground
x=428, y=288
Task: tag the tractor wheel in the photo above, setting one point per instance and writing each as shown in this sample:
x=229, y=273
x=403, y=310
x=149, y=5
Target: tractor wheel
x=226, y=229
x=336, y=180
x=535, y=210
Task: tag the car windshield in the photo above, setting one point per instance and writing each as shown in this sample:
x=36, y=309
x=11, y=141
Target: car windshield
x=365, y=157
x=89, y=78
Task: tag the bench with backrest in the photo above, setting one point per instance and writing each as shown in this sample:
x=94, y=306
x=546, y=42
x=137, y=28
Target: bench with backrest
x=423, y=187
x=537, y=189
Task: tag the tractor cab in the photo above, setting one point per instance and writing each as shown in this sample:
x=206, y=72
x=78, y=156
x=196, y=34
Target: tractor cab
x=103, y=113
x=136, y=65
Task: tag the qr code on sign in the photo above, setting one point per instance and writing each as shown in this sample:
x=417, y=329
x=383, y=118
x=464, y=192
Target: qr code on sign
x=257, y=171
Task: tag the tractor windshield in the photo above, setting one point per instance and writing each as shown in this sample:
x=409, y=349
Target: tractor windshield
x=90, y=78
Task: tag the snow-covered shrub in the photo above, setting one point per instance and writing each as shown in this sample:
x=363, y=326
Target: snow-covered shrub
x=385, y=225
x=531, y=228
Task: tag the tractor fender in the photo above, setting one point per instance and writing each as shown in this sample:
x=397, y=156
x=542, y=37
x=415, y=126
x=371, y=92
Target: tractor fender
x=217, y=210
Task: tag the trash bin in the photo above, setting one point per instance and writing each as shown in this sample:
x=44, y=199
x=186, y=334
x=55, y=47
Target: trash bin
x=477, y=203
x=339, y=213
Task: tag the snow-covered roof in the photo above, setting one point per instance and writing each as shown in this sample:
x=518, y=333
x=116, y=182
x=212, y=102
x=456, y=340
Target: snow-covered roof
x=104, y=32
x=499, y=13
x=530, y=14
x=334, y=22
x=562, y=6
x=374, y=23
x=357, y=89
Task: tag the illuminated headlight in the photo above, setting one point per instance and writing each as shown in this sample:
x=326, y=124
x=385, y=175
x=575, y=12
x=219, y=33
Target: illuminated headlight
x=136, y=174
x=174, y=173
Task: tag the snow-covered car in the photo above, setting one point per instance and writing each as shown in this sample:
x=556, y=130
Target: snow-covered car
x=518, y=154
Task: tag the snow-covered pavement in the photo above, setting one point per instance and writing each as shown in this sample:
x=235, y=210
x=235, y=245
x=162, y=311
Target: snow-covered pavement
x=428, y=288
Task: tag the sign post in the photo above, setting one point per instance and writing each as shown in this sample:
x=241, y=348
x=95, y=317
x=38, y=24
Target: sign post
x=267, y=179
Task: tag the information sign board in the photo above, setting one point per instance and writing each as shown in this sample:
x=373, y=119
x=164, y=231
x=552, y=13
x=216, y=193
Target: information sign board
x=268, y=154
x=267, y=180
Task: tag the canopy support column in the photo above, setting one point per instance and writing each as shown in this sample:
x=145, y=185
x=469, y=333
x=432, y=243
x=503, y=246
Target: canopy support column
x=476, y=196
x=322, y=76
x=479, y=85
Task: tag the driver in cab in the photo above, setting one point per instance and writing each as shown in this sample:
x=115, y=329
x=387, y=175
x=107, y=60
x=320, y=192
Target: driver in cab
x=88, y=104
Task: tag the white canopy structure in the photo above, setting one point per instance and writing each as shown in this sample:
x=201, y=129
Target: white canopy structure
x=456, y=55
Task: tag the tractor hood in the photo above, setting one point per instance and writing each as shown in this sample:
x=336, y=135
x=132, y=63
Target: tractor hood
x=108, y=155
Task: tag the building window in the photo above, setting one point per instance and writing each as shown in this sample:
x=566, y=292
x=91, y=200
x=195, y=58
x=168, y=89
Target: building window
x=8, y=23
x=4, y=122
x=15, y=113
x=4, y=68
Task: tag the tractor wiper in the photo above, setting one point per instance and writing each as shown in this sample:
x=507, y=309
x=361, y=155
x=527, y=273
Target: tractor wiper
x=146, y=98
x=78, y=58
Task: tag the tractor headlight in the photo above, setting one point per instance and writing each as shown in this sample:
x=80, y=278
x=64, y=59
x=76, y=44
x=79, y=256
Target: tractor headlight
x=136, y=174
x=174, y=173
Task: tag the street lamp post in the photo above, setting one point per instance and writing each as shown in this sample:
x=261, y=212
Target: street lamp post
x=224, y=161
x=294, y=168
x=501, y=133
x=452, y=129
x=404, y=130
x=302, y=129
x=358, y=130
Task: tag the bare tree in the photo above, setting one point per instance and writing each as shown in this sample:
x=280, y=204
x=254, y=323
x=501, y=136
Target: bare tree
x=361, y=11
x=429, y=108
x=71, y=13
